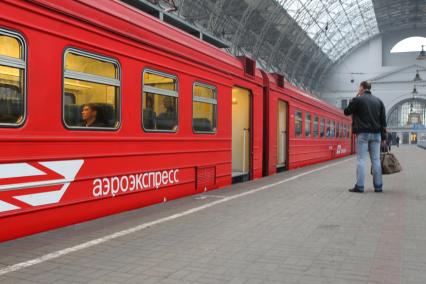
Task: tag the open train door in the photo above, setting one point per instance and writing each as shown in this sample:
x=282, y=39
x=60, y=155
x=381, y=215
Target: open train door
x=241, y=134
x=282, y=116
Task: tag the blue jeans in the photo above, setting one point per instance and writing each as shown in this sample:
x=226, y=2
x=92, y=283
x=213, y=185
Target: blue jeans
x=368, y=142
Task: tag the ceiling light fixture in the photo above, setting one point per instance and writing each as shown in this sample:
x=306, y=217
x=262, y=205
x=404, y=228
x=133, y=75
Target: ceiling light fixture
x=417, y=77
x=422, y=54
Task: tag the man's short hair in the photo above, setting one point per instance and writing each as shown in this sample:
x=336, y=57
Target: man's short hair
x=92, y=106
x=366, y=85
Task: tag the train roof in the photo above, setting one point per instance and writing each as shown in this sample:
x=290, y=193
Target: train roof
x=315, y=100
x=120, y=18
x=302, y=95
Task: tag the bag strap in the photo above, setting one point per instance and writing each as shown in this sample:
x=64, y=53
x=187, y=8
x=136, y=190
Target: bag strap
x=385, y=143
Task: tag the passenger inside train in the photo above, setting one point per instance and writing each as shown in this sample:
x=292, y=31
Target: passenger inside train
x=90, y=116
x=10, y=104
x=149, y=115
x=160, y=97
x=167, y=120
x=12, y=88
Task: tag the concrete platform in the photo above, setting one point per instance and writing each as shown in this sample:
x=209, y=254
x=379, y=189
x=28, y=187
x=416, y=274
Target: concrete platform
x=301, y=226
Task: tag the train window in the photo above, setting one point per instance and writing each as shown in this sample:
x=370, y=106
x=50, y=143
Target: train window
x=298, y=123
x=159, y=102
x=78, y=62
x=12, y=79
x=204, y=108
x=333, y=129
x=307, y=124
x=91, y=91
x=338, y=129
x=327, y=131
x=315, y=126
x=322, y=127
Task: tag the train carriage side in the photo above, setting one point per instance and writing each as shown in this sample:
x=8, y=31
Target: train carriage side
x=300, y=129
x=163, y=100
x=313, y=135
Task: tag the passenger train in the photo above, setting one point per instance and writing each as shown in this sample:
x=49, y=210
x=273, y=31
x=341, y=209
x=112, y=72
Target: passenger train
x=104, y=108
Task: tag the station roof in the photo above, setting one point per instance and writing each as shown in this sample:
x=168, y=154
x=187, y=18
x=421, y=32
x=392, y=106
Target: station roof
x=300, y=39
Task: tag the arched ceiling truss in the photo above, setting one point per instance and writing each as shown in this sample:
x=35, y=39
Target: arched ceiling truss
x=301, y=39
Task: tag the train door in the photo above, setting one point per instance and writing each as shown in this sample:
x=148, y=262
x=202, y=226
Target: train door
x=282, y=135
x=241, y=142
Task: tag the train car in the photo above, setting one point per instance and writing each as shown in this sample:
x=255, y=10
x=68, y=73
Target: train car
x=300, y=129
x=105, y=109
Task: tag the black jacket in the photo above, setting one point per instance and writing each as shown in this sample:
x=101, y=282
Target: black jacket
x=368, y=114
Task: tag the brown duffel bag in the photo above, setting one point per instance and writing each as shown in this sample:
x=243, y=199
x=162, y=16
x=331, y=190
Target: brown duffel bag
x=390, y=164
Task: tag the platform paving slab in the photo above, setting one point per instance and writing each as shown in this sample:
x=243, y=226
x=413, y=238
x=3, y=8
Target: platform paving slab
x=307, y=230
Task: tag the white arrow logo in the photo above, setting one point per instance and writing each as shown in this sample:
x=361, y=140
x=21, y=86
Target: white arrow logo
x=36, y=175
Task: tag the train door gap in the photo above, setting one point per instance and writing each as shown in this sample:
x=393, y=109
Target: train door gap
x=282, y=136
x=241, y=127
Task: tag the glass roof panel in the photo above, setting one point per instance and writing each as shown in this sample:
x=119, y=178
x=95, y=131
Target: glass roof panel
x=336, y=26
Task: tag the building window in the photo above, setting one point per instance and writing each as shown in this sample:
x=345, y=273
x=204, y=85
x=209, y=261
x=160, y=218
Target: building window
x=159, y=102
x=204, y=108
x=315, y=126
x=322, y=127
x=12, y=79
x=298, y=123
x=307, y=124
x=409, y=113
x=91, y=91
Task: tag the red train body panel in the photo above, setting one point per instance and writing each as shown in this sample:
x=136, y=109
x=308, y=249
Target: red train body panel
x=301, y=150
x=52, y=175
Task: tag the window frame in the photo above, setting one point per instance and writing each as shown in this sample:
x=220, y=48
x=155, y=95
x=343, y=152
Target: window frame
x=301, y=126
x=310, y=124
x=76, y=75
x=161, y=92
x=338, y=129
x=317, y=128
x=328, y=124
x=19, y=64
x=208, y=101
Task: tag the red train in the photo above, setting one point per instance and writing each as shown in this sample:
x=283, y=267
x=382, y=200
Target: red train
x=104, y=109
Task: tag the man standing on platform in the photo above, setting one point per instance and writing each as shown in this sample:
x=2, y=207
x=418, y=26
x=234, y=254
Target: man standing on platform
x=369, y=125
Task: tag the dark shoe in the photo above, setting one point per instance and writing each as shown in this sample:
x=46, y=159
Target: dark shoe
x=356, y=189
x=378, y=190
